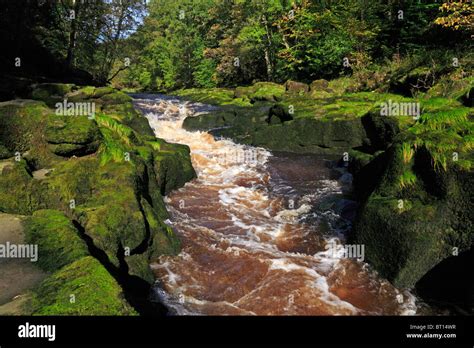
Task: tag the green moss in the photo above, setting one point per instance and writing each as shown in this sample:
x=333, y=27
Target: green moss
x=87, y=282
x=172, y=167
x=361, y=157
x=4, y=152
x=101, y=91
x=51, y=93
x=261, y=91
x=14, y=188
x=80, y=94
x=19, y=122
x=213, y=96
x=22, y=128
x=72, y=179
x=407, y=179
x=118, y=203
x=70, y=135
x=454, y=86
x=115, y=98
x=58, y=241
x=112, y=224
x=341, y=85
x=164, y=240
x=74, y=130
x=401, y=243
x=441, y=145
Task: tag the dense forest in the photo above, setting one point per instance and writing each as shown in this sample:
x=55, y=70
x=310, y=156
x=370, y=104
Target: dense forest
x=166, y=45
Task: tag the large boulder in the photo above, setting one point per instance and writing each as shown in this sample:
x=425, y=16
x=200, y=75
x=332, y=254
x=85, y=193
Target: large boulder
x=94, y=290
x=51, y=93
x=320, y=89
x=275, y=128
x=417, y=193
x=59, y=242
x=261, y=91
x=415, y=216
x=72, y=135
x=318, y=85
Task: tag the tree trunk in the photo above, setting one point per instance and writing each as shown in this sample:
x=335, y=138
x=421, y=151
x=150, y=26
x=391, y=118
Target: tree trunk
x=268, y=63
x=267, y=48
x=111, y=55
x=283, y=37
x=72, y=37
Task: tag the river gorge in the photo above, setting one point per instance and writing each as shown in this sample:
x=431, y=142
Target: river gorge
x=262, y=233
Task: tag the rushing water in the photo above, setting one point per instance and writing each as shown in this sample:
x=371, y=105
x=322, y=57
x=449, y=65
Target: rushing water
x=261, y=233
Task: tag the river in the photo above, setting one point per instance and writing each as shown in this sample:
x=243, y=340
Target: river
x=262, y=233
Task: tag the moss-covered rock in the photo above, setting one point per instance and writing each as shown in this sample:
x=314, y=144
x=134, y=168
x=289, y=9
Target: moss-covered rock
x=417, y=210
x=101, y=91
x=58, y=240
x=213, y=96
x=380, y=131
x=36, y=133
x=296, y=87
x=106, y=177
x=20, y=122
x=318, y=85
x=217, y=119
x=261, y=91
x=172, y=167
x=303, y=135
x=18, y=192
x=319, y=89
x=74, y=130
x=72, y=135
x=80, y=94
x=51, y=93
x=311, y=136
x=4, y=152
x=83, y=287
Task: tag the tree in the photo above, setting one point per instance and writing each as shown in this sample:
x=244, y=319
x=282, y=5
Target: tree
x=458, y=15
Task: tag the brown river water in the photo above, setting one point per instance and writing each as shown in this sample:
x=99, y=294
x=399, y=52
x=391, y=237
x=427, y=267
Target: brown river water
x=262, y=233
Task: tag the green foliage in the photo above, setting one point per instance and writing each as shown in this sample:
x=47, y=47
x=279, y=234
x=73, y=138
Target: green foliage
x=406, y=152
x=207, y=43
x=407, y=179
x=214, y=96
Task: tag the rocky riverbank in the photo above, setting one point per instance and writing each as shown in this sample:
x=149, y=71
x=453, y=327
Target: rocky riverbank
x=412, y=166
x=90, y=187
